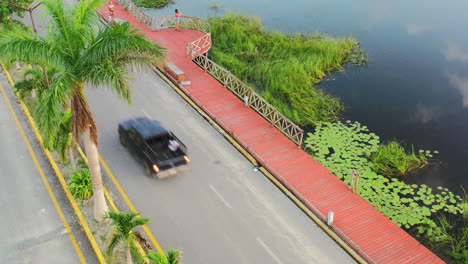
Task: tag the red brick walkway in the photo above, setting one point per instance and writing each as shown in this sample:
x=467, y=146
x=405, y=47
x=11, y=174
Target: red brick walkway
x=369, y=232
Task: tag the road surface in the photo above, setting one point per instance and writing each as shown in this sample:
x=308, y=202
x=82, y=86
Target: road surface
x=221, y=210
x=31, y=230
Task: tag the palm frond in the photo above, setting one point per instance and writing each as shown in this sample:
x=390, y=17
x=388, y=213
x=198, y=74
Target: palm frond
x=111, y=75
x=18, y=44
x=114, y=241
x=60, y=23
x=174, y=256
x=157, y=257
x=85, y=16
x=50, y=108
x=112, y=43
x=140, y=221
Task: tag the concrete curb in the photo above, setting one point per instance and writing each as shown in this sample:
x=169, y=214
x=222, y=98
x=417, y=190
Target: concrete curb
x=59, y=175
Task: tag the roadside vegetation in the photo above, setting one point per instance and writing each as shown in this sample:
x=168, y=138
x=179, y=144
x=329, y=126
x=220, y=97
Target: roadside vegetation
x=284, y=69
x=152, y=3
x=50, y=81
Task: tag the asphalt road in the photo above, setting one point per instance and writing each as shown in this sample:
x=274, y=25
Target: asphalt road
x=30, y=228
x=220, y=210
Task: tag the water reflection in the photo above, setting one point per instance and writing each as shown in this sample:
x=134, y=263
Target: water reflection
x=426, y=113
x=416, y=29
x=455, y=52
x=460, y=82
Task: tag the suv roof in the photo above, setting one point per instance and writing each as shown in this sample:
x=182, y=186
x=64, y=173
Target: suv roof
x=146, y=127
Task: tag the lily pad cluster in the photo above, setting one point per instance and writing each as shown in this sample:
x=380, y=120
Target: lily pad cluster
x=344, y=147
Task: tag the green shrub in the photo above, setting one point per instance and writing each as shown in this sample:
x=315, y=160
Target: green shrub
x=81, y=185
x=152, y=3
x=283, y=68
x=392, y=160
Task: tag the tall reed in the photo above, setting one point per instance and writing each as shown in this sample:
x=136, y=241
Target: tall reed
x=283, y=68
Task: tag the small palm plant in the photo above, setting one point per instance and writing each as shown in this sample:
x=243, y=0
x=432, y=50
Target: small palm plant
x=173, y=256
x=124, y=223
x=81, y=185
x=34, y=80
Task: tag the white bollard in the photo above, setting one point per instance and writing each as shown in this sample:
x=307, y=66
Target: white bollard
x=330, y=218
x=246, y=101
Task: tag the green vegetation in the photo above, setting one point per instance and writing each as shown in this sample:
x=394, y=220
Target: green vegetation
x=81, y=185
x=6, y=11
x=82, y=53
x=152, y=3
x=282, y=68
x=124, y=224
x=391, y=159
x=344, y=147
x=172, y=257
x=449, y=236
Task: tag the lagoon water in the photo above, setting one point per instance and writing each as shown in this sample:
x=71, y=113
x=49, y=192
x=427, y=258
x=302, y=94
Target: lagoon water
x=415, y=87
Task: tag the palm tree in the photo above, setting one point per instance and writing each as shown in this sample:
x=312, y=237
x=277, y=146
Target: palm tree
x=83, y=53
x=124, y=223
x=60, y=139
x=172, y=257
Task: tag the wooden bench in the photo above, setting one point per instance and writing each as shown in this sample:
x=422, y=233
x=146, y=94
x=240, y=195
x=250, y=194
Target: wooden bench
x=174, y=71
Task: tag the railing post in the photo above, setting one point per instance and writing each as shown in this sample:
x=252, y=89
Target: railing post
x=246, y=100
x=354, y=182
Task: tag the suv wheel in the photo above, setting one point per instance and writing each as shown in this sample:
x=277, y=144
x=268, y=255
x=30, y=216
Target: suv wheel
x=123, y=140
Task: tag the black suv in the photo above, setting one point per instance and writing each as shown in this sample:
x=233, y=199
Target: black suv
x=162, y=153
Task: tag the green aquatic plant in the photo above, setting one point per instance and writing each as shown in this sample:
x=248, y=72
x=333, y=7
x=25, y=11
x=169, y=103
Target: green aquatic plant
x=391, y=159
x=343, y=148
x=449, y=235
x=284, y=69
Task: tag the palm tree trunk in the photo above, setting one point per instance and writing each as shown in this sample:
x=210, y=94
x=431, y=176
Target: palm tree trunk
x=71, y=156
x=100, y=205
x=129, y=256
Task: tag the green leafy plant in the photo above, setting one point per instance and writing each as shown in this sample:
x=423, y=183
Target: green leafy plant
x=173, y=256
x=81, y=185
x=283, y=68
x=6, y=11
x=391, y=159
x=124, y=224
x=152, y=3
x=344, y=147
x=450, y=235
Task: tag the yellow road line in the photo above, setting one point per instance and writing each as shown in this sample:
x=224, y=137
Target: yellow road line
x=130, y=204
x=111, y=201
x=44, y=179
x=272, y=178
x=57, y=171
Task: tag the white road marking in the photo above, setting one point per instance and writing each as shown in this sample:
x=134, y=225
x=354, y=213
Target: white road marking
x=220, y=196
x=146, y=114
x=268, y=250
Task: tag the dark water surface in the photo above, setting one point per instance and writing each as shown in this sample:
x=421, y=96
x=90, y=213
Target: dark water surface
x=415, y=88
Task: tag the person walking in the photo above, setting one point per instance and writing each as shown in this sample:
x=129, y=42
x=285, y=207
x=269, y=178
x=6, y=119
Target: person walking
x=177, y=19
x=111, y=11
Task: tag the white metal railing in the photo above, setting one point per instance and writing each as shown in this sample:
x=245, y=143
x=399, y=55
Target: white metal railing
x=158, y=23
x=199, y=45
x=255, y=101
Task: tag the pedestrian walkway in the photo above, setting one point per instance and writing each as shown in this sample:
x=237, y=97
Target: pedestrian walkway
x=365, y=229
